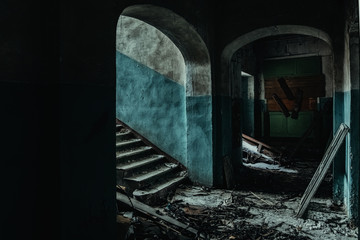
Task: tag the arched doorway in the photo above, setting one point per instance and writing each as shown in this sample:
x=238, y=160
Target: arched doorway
x=300, y=54
x=164, y=85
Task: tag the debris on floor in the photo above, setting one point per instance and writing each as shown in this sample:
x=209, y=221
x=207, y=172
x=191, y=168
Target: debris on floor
x=260, y=158
x=224, y=214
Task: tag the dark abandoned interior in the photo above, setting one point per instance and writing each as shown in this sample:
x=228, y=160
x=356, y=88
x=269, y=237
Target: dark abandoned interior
x=233, y=119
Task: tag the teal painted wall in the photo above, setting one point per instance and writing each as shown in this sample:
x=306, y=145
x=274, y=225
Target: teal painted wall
x=157, y=108
x=152, y=105
x=199, y=139
x=339, y=161
x=346, y=163
x=351, y=188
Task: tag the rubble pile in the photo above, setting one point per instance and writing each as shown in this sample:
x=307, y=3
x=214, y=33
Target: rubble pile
x=225, y=214
x=224, y=222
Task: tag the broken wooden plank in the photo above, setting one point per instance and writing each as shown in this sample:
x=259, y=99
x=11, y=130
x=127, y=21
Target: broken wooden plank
x=322, y=168
x=264, y=145
x=282, y=106
x=151, y=212
x=308, y=104
x=313, y=86
x=286, y=89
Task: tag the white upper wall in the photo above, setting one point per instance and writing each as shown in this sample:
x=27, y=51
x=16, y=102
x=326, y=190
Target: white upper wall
x=150, y=47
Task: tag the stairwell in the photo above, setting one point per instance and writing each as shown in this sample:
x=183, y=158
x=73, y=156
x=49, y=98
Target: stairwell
x=147, y=173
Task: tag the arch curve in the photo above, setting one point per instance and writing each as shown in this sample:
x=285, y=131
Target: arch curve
x=260, y=33
x=187, y=40
x=164, y=85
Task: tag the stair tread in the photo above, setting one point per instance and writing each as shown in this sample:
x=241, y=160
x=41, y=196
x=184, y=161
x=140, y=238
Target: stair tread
x=162, y=170
x=161, y=186
x=133, y=151
x=125, y=132
x=128, y=141
x=142, y=162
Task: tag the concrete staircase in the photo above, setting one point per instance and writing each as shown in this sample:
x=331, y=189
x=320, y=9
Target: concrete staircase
x=148, y=174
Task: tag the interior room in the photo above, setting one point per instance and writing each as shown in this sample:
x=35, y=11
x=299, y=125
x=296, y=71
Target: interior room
x=182, y=120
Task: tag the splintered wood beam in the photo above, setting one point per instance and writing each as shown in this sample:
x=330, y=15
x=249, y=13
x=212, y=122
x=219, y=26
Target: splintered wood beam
x=286, y=89
x=151, y=212
x=282, y=106
x=322, y=168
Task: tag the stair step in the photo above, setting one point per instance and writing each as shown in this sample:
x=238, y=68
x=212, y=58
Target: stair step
x=140, y=163
x=134, y=153
x=128, y=143
x=123, y=135
x=157, y=193
x=119, y=127
x=143, y=179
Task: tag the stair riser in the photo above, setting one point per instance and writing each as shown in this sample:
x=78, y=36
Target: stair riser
x=129, y=146
x=120, y=181
x=149, y=181
x=122, y=137
x=131, y=172
x=118, y=129
x=160, y=197
x=134, y=157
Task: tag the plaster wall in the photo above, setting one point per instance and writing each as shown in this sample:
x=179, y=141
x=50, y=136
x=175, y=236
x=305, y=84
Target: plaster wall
x=152, y=48
x=346, y=109
x=163, y=86
x=151, y=104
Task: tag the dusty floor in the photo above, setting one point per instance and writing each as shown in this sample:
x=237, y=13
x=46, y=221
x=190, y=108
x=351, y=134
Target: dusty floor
x=225, y=214
x=232, y=214
x=262, y=205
